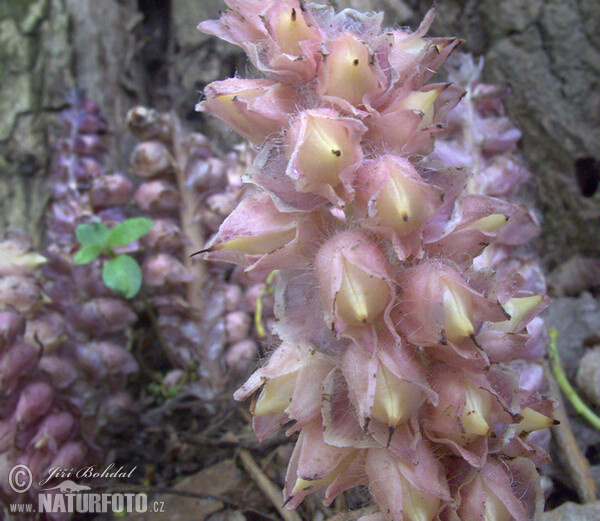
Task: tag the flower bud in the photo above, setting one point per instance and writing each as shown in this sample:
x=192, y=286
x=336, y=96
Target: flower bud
x=395, y=399
x=493, y=508
x=392, y=193
x=69, y=456
x=12, y=325
x=315, y=464
x=237, y=325
x=110, y=190
x=502, y=490
x=288, y=27
x=240, y=354
x=21, y=293
x=476, y=412
x=406, y=491
x=165, y=235
x=87, y=145
x=353, y=279
x=275, y=396
x=47, y=330
x=53, y=430
x=399, y=126
x=457, y=312
x=102, y=316
x=323, y=147
x=62, y=372
x=255, y=109
x=162, y=269
x=490, y=222
x=145, y=123
x=222, y=203
x=14, y=362
x=446, y=307
x=464, y=412
x=157, y=196
x=34, y=402
x=348, y=71
x=422, y=102
x=533, y=421
x=258, y=235
x=151, y=159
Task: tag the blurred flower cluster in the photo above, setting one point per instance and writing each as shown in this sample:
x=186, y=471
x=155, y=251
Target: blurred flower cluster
x=400, y=304
x=63, y=332
x=69, y=344
x=203, y=314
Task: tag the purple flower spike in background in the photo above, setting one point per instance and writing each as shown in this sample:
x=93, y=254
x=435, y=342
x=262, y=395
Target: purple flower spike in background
x=403, y=304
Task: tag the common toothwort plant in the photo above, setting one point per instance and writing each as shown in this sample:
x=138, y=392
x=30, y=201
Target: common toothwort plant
x=393, y=363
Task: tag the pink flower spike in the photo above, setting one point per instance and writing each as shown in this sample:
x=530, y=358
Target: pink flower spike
x=255, y=109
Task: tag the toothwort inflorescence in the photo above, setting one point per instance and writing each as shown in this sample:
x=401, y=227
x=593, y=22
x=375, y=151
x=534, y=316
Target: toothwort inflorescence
x=396, y=334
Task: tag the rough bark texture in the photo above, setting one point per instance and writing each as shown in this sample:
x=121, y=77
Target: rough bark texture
x=47, y=48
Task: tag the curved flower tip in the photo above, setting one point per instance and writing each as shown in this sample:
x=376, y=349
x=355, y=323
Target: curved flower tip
x=257, y=235
x=255, y=109
x=241, y=25
x=280, y=37
x=420, y=114
x=287, y=388
x=16, y=258
x=467, y=408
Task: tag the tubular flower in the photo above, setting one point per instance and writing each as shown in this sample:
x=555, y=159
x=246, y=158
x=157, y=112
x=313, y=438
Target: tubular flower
x=395, y=353
x=255, y=109
x=354, y=280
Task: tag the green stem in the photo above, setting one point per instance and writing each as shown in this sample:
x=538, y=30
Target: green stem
x=566, y=387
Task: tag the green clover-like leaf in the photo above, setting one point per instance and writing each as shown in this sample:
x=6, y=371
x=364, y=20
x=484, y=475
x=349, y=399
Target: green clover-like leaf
x=92, y=234
x=123, y=275
x=129, y=230
x=87, y=254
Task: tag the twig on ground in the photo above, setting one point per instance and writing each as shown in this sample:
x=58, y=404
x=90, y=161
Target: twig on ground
x=268, y=488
